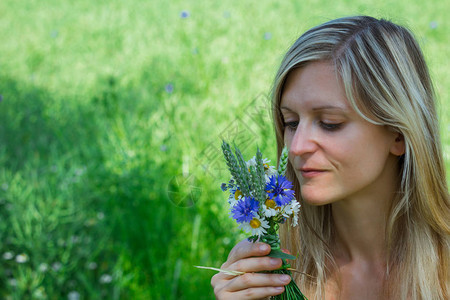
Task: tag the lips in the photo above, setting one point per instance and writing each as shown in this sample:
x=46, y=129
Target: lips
x=311, y=172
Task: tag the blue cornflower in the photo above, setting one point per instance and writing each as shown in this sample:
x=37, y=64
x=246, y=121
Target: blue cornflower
x=169, y=88
x=267, y=36
x=184, y=14
x=280, y=190
x=245, y=210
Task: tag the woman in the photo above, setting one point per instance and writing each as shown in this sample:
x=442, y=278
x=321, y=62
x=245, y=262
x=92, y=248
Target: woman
x=354, y=103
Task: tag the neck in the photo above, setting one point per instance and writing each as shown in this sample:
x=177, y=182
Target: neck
x=360, y=223
x=360, y=230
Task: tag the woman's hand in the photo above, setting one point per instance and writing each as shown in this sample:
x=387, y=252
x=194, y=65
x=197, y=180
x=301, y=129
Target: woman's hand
x=248, y=257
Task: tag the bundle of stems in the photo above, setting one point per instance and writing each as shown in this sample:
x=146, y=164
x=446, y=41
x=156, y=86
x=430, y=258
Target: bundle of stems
x=292, y=291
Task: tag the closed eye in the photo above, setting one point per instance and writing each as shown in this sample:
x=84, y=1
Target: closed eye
x=292, y=126
x=330, y=126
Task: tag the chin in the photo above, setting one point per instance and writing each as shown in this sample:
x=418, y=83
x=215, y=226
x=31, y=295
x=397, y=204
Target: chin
x=316, y=202
x=315, y=197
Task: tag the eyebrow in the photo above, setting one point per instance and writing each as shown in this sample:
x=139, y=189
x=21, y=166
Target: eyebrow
x=329, y=107
x=319, y=108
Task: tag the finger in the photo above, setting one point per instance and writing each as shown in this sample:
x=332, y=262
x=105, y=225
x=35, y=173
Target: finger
x=249, y=265
x=221, y=279
x=256, y=293
x=250, y=280
x=286, y=251
x=256, y=264
x=217, y=279
x=246, y=249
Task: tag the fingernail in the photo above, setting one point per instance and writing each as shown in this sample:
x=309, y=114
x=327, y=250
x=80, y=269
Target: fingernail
x=274, y=261
x=285, y=278
x=278, y=288
x=263, y=248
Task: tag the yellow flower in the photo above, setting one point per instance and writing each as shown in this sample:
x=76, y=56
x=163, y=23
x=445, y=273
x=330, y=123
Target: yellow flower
x=270, y=203
x=255, y=223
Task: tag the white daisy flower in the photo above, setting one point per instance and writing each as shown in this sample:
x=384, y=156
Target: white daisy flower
x=270, y=170
x=257, y=226
x=267, y=167
x=251, y=162
x=292, y=209
x=270, y=208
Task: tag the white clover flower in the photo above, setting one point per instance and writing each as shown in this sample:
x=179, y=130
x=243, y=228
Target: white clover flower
x=39, y=293
x=73, y=295
x=75, y=239
x=8, y=255
x=56, y=266
x=100, y=215
x=257, y=226
x=21, y=258
x=43, y=267
x=105, y=278
x=80, y=171
x=12, y=282
x=92, y=265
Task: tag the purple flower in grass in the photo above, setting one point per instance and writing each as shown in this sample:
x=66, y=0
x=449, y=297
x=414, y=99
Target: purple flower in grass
x=267, y=36
x=245, y=210
x=169, y=88
x=280, y=190
x=184, y=14
x=224, y=187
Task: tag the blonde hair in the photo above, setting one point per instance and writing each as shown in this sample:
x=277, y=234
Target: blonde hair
x=387, y=82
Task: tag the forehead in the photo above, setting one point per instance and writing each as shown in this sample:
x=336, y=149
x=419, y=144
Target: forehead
x=314, y=85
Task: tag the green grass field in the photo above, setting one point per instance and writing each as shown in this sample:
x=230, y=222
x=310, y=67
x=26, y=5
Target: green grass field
x=112, y=117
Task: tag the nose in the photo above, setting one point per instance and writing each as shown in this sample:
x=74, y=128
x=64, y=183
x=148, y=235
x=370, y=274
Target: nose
x=303, y=142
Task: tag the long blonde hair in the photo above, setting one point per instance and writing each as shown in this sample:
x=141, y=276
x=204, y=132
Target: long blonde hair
x=387, y=82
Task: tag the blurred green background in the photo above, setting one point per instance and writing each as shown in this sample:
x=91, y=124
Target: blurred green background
x=112, y=113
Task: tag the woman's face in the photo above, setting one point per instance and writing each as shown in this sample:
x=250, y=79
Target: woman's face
x=335, y=153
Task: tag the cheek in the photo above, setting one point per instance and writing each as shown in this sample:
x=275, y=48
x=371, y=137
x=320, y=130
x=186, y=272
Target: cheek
x=288, y=136
x=288, y=141
x=361, y=159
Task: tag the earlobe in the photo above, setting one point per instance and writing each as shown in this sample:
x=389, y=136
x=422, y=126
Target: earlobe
x=398, y=147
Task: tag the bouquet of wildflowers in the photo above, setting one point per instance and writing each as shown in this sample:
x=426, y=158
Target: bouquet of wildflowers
x=260, y=199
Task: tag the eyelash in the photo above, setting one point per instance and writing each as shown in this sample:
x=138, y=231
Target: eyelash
x=292, y=126
x=330, y=126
